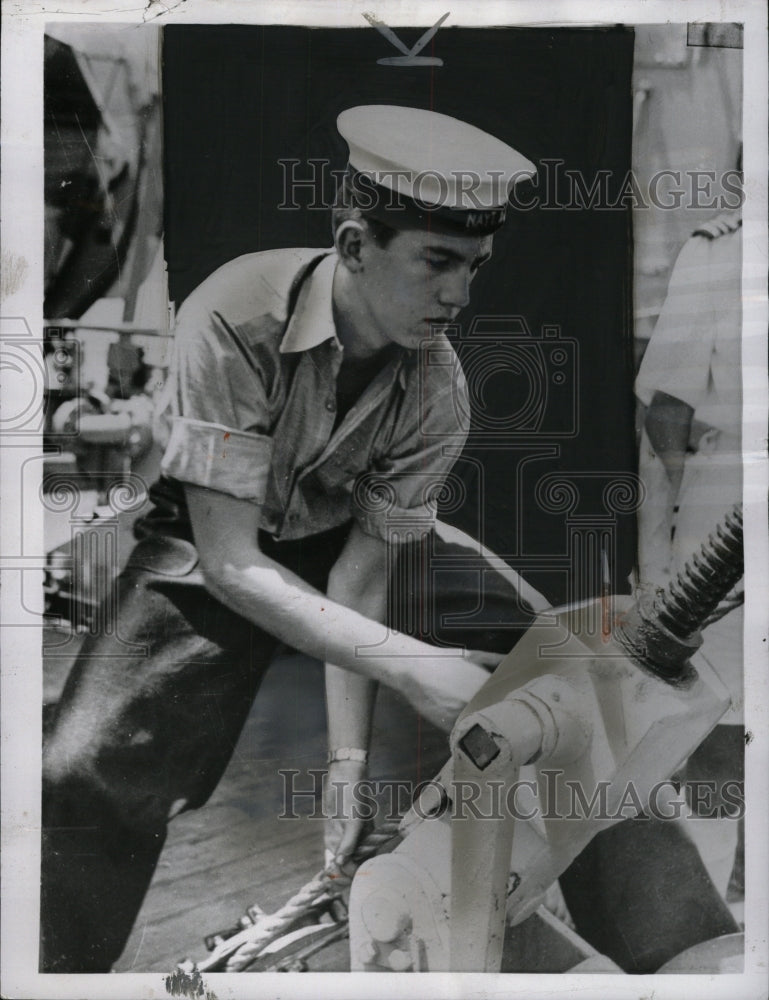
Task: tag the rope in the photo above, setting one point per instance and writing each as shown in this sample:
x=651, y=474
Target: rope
x=270, y=927
x=243, y=948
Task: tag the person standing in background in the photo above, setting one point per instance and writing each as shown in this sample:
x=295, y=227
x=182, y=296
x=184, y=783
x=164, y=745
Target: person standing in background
x=690, y=382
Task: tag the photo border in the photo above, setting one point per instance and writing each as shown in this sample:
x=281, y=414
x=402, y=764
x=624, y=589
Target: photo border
x=21, y=210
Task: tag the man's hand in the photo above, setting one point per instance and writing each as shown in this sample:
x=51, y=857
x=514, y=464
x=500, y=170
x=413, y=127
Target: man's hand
x=440, y=686
x=668, y=423
x=345, y=810
x=485, y=659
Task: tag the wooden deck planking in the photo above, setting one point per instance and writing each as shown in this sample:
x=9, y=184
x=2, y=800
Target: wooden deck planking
x=236, y=851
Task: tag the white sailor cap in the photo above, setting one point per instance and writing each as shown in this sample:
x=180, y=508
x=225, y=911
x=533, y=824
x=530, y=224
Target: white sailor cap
x=411, y=167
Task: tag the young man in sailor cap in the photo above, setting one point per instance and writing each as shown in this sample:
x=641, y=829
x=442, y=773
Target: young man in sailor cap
x=306, y=434
x=305, y=439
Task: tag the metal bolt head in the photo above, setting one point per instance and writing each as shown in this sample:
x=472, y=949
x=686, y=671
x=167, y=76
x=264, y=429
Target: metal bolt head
x=384, y=916
x=399, y=960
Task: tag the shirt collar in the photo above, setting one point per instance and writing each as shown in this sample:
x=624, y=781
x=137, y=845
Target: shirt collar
x=312, y=321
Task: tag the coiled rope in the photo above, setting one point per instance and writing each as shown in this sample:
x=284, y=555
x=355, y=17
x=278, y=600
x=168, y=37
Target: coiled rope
x=236, y=953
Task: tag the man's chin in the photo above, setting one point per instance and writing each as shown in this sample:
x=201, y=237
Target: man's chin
x=421, y=333
x=422, y=336
x=433, y=326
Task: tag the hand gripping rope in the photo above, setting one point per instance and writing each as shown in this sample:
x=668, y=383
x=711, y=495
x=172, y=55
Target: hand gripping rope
x=242, y=948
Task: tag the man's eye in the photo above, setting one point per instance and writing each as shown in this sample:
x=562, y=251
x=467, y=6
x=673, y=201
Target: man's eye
x=437, y=263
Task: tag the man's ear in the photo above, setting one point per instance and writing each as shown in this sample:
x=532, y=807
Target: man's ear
x=349, y=240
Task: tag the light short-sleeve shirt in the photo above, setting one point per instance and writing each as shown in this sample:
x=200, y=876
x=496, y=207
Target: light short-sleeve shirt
x=249, y=408
x=694, y=356
x=694, y=352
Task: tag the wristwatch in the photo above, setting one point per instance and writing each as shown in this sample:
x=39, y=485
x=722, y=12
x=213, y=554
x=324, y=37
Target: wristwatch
x=348, y=753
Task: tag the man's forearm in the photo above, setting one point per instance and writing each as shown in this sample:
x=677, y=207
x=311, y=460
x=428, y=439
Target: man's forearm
x=281, y=603
x=359, y=581
x=437, y=682
x=350, y=705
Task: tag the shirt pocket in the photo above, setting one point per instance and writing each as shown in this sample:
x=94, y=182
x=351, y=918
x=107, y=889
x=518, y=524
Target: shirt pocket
x=335, y=475
x=342, y=466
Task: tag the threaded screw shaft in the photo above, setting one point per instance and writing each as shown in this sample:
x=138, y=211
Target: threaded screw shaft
x=663, y=633
x=705, y=580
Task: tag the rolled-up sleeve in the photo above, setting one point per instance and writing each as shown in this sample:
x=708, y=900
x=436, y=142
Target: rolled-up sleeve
x=400, y=499
x=215, y=413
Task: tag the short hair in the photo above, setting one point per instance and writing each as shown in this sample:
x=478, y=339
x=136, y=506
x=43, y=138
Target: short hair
x=382, y=233
x=346, y=208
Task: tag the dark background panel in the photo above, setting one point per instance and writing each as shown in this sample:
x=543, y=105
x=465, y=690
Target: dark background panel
x=238, y=100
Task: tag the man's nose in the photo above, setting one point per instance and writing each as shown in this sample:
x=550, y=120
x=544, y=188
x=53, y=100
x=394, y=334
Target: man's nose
x=455, y=290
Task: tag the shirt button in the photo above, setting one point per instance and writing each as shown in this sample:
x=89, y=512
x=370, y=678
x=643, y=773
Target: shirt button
x=331, y=404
